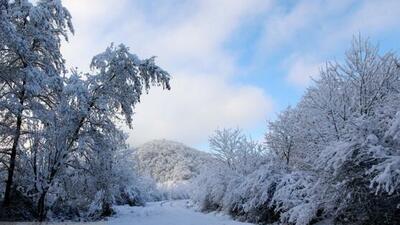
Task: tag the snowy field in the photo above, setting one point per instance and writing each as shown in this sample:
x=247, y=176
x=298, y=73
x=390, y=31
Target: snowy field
x=167, y=213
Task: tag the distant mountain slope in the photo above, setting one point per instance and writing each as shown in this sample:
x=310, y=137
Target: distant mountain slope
x=169, y=162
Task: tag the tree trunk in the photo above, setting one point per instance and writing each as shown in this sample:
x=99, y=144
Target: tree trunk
x=9, y=182
x=41, y=206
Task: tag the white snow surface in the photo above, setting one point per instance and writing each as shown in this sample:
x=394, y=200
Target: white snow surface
x=178, y=212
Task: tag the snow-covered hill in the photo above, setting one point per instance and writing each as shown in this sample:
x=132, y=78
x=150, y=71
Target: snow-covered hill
x=169, y=163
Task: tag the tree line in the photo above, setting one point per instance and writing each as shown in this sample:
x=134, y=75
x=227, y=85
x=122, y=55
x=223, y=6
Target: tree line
x=335, y=156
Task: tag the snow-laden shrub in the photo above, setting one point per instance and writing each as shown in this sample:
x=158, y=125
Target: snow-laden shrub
x=100, y=206
x=386, y=173
x=91, y=196
x=149, y=190
x=211, y=185
x=129, y=195
x=245, y=197
x=294, y=198
x=361, y=184
x=242, y=180
x=249, y=197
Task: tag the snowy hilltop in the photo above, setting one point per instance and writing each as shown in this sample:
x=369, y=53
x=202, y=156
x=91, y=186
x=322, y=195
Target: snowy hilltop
x=171, y=164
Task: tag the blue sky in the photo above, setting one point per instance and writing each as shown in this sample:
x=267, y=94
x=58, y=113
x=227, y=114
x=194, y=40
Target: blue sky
x=234, y=63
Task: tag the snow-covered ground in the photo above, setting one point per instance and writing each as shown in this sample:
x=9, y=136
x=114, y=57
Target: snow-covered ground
x=167, y=213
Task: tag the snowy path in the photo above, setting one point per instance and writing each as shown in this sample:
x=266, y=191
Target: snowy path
x=167, y=213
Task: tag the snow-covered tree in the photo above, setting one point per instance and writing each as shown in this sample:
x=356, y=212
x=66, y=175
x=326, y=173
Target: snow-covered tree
x=281, y=135
x=31, y=66
x=56, y=126
x=348, y=116
x=89, y=109
x=237, y=151
x=225, y=184
x=341, y=142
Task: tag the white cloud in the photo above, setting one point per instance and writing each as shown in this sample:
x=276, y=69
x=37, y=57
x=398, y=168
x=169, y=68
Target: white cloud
x=197, y=105
x=191, y=36
x=188, y=40
x=301, y=70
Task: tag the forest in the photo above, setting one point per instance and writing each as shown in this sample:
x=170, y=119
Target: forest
x=334, y=157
